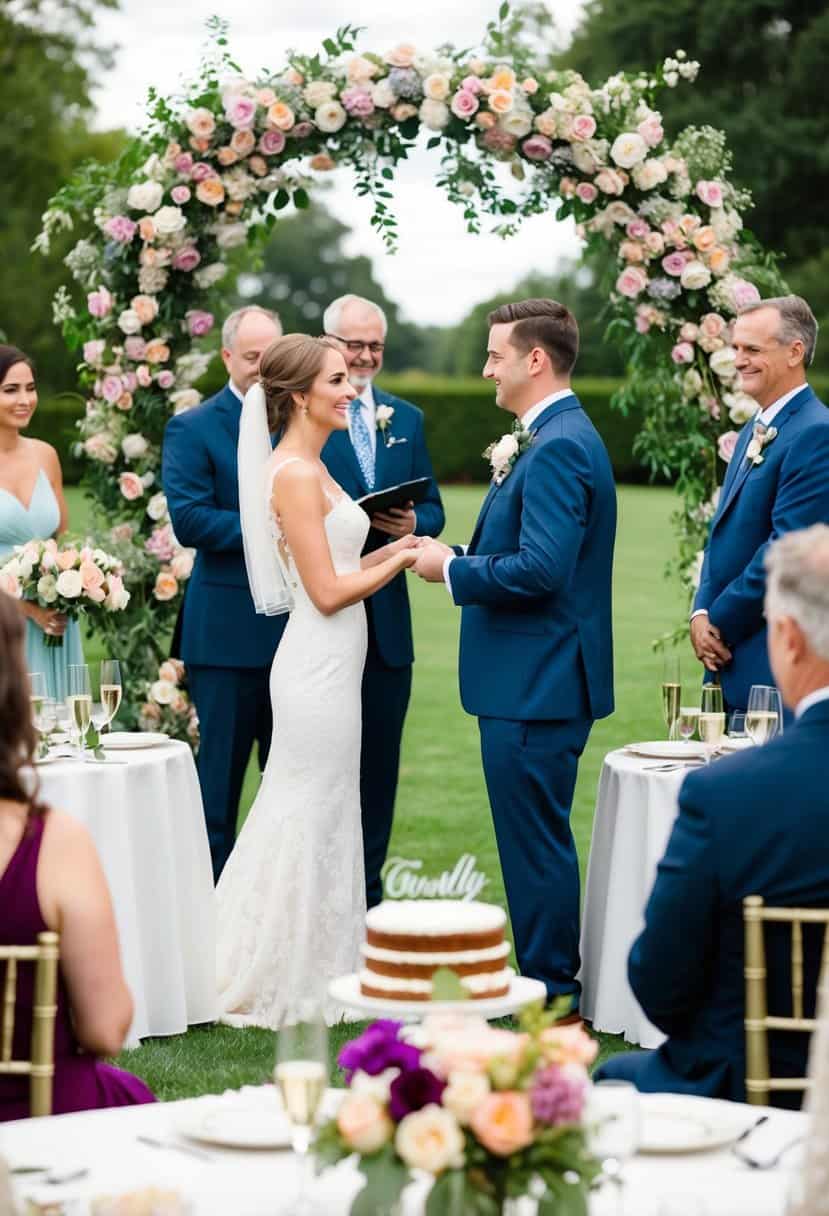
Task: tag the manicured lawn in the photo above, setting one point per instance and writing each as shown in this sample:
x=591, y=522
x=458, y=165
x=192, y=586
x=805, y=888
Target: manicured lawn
x=442, y=809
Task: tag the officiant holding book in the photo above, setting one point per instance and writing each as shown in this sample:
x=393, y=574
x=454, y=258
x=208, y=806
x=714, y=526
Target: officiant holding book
x=384, y=446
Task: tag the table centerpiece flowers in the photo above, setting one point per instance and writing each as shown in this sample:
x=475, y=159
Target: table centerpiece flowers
x=491, y=1114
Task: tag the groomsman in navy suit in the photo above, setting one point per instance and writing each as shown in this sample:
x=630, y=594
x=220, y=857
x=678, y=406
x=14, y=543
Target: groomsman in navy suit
x=536, y=653
x=384, y=446
x=777, y=481
x=226, y=647
x=755, y=823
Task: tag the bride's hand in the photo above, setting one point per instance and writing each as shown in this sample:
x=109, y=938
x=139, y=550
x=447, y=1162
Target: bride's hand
x=405, y=542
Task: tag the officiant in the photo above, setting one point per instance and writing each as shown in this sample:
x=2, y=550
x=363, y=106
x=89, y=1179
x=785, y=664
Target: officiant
x=384, y=446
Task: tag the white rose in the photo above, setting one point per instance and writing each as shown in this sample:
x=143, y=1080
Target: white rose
x=47, y=588
x=430, y=1139
x=692, y=383
x=184, y=399
x=208, y=275
x=434, y=114
x=169, y=220
x=518, y=123
x=628, y=149
x=117, y=600
x=153, y=167
x=584, y=158
x=649, y=174
x=318, y=92
x=162, y=692
x=384, y=413
x=503, y=451
x=695, y=275
x=382, y=95
x=147, y=479
x=464, y=1093
x=437, y=86
x=151, y=279
x=145, y=196
x=157, y=507
x=129, y=322
x=134, y=446
x=231, y=236
x=722, y=363
x=726, y=224
x=69, y=584
x=377, y=1086
x=753, y=451
x=741, y=407
x=330, y=117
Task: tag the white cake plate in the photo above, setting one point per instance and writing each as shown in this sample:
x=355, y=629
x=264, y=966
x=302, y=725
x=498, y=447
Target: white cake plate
x=523, y=991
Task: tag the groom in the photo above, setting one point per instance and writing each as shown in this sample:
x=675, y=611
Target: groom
x=536, y=659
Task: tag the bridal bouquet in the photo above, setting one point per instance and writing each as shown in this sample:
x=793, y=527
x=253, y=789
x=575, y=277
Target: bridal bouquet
x=65, y=579
x=491, y=1114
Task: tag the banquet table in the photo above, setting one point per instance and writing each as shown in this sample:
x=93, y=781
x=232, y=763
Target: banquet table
x=263, y=1182
x=143, y=808
x=635, y=810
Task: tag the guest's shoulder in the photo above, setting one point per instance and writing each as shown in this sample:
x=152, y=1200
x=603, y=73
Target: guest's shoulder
x=192, y=420
x=756, y=768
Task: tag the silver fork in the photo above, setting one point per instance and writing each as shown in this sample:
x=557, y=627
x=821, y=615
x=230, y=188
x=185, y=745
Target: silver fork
x=767, y=1163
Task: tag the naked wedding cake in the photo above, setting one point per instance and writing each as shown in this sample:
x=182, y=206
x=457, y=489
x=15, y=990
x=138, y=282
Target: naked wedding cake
x=408, y=940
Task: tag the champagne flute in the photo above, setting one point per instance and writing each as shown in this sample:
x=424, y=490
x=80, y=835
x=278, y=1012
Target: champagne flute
x=301, y=1074
x=615, y=1129
x=764, y=713
x=711, y=718
x=79, y=702
x=671, y=691
x=111, y=690
x=46, y=719
x=688, y=720
x=37, y=692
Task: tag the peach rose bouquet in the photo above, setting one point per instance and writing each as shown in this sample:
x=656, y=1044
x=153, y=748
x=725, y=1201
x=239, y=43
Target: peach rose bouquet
x=489, y=1113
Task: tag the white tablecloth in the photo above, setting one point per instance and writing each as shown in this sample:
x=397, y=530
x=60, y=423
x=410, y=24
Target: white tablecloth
x=147, y=821
x=635, y=811
x=235, y=1182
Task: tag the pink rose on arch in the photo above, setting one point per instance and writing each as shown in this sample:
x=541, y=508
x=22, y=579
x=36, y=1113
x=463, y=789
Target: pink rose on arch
x=710, y=193
x=726, y=445
x=651, y=131
x=674, y=264
x=199, y=322
x=93, y=351
x=302, y=130
x=201, y=171
x=121, y=229
x=186, y=259
x=131, y=486
x=464, y=104
x=471, y=84
x=134, y=348
x=180, y=195
x=143, y=375
x=712, y=325
x=637, y=230
x=643, y=320
x=161, y=543
x=537, y=147
x=130, y=382
x=99, y=303
x=357, y=102
x=165, y=379
x=584, y=127
x=240, y=111
x=111, y=388
x=689, y=332
x=683, y=352
x=272, y=142
x=655, y=242
x=744, y=293
x=184, y=163
x=631, y=282
x=587, y=192
x=499, y=141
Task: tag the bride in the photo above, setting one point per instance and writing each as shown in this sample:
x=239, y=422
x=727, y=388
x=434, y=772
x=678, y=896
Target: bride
x=291, y=898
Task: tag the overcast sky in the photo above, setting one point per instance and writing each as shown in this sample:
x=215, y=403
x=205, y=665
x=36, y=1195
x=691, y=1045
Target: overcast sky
x=439, y=271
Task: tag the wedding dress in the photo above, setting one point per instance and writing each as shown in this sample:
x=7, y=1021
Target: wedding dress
x=291, y=898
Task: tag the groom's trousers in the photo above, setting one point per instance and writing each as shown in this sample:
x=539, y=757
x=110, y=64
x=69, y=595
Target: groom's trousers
x=530, y=770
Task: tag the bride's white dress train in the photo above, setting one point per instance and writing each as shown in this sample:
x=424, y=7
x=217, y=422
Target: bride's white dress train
x=291, y=899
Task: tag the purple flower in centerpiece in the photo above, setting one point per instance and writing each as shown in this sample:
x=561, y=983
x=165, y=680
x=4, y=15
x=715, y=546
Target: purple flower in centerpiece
x=413, y=1090
x=558, y=1094
x=377, y=1049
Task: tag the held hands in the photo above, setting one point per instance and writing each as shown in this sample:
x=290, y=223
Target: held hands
x=397, y=521
x=430, y=559
x=708, y=645
x=407, y=547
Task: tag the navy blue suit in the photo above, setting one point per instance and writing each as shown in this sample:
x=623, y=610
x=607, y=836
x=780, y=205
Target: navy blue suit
x=387, y=679
x=227, y=648
x=758, y=503
x=756, y=823
x=536, y=667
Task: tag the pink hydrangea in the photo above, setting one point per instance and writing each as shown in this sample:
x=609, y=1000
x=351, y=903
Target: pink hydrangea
x=186, y=259
x=558, y=1094
x=121, y=229
x=199, y=322
x=683, y=352
x=537, y=147
x=272, y=142
x=161, y=543
x=357, y=102
x=464, y=104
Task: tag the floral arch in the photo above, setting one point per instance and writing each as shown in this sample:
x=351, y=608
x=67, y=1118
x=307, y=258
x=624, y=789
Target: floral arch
x=214, y=168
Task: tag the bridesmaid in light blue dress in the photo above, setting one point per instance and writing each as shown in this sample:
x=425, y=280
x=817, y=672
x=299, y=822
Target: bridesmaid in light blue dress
x=32, y=507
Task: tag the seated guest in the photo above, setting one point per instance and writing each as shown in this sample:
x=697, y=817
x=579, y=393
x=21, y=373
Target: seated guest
x=755, y=823
x=51, y=878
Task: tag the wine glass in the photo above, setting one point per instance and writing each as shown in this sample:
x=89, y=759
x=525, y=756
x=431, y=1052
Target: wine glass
x=688, y=719
x=670, y=692
x=45, y=721
x=711, y=718
x=301, y=1074
x=37, y=692
x=79, y=702
x=111, y=690
x=615, y=1129
x=764, y=713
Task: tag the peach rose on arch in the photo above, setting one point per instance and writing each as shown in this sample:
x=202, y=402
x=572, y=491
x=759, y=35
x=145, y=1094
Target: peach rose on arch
x=166, y=586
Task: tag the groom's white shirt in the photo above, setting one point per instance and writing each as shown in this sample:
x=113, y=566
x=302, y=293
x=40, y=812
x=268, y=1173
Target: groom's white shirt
x=527, y=420
x=237, y=392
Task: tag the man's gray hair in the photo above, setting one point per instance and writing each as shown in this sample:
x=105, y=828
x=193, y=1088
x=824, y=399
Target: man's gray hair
x=232, y=322
x=798, y=584
x=797, y=321
x=332, y=317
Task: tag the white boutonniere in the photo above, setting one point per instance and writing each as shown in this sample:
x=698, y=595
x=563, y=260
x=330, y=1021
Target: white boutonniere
x=761, y=437
x=503, y=454
x=383, y=416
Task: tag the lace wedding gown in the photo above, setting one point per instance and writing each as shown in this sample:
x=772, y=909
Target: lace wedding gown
x=291, y=898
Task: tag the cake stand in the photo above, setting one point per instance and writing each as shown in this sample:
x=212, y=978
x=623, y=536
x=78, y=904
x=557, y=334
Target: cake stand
x=522, y=991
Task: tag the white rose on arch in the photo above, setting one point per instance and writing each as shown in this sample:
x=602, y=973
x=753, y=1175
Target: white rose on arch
x=157, y=507
x=134, y=446
x=740, y=407
x=145, y=196
x=518, y=123
x=129, y=322
x=695, y=275
x=330, y=117
x=628, y=149
x=434, y=114
x=169, y=220
x=162, y=692
x=723, y=363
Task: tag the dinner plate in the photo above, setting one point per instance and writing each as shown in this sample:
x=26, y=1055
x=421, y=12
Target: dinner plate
x=680, y=1123
x=664, y=749
x=256, y=1126
x=128, y=739
x=735, y=743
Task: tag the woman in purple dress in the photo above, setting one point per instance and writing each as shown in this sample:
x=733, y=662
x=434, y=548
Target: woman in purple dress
x=51, y=878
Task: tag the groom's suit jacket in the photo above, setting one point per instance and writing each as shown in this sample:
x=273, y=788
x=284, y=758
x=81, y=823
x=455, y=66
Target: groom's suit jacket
x=535, y=583
x=388, y=611
x=758, y=503
x=220, y=626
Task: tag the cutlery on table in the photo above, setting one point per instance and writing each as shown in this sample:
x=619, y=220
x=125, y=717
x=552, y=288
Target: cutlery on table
x=53, y=1177
x=174, y=1146
x=767, y=1163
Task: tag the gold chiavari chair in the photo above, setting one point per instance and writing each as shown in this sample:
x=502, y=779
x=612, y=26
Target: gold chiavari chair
x=40, y=1067
x=758, y=1023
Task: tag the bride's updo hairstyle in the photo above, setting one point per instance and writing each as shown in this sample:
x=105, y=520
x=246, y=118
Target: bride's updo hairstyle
x=290, y=365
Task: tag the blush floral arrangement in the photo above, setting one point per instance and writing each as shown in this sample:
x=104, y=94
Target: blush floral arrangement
x=490, y=1114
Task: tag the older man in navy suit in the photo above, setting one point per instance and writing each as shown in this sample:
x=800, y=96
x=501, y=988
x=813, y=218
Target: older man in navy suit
x=755, y=823
x=384, y=446
x=226, y=647
x=777, y=482
x=536, y=653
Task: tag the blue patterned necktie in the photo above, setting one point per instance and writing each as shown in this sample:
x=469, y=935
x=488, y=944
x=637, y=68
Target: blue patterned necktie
x=362, y=441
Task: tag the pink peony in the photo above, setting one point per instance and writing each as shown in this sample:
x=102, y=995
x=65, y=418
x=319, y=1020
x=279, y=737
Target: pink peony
x=180, y=195
x=357, y=102
x=631, y=282
x=121, y=229
x=240, y=111
x=537, y=147
x=131, y=486
x=726, y=445
x=471, y=84
x=584, y=127
x=184, y=163
x=111, y=388
x=201, y=171
x=199, y=322
x=186, y=259
x=272, y=142
x=165, y=379
x=134, y=348
x=710, y=193
x=683, y=352
x=744, y=293
x=99, y=302
x=464, y=104
x=587, y=192
x=637, y=230
x=674, y=264
x=93, y=351
x=651, y=131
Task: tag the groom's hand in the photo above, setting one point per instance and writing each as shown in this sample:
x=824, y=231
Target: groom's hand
x=429, y=564
x=398, y=521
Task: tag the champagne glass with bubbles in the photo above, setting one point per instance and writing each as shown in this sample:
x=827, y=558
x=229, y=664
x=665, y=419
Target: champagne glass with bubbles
x=711, y=718
x=301, y=1074
x=764, y=713
x=110, y=693
x=671, y=692
x=688, y=718
x=79, y=702
x=37, y=692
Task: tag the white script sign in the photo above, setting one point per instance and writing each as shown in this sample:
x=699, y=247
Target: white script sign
x=401, y=880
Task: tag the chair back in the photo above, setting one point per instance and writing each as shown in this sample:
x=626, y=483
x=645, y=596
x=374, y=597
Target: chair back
x=759, y=1084
x=40, y=1067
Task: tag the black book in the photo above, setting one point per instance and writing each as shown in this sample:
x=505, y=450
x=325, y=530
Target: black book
x=395, y=496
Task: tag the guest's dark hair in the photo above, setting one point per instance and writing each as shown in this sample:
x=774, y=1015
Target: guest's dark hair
x=290, y=365
x=9, y=355
x=543, y=323
x=18, y=741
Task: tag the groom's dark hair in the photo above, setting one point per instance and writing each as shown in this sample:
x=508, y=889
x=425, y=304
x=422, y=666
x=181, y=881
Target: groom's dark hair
x=544, y=323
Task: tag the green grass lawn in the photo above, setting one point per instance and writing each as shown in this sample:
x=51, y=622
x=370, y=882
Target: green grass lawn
x=442, y=809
